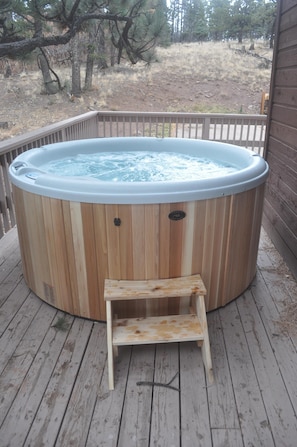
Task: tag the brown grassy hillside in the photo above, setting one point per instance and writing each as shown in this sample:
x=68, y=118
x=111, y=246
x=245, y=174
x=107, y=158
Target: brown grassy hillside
x=208, y=77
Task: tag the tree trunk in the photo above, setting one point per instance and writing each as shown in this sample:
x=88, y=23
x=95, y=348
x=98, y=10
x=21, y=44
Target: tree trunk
x=75, y=61
x=90, y=57
x=113, y=56
x=272, y=34
x=102, y=63
x=89, y=71
x=51, y=85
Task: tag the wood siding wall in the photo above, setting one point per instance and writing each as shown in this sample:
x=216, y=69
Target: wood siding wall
x=280, y=209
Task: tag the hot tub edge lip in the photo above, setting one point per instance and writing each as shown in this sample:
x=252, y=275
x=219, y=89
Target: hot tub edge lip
x=76, y=189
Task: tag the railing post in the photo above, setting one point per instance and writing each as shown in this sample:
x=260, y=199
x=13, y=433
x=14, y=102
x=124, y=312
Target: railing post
x=206, y=128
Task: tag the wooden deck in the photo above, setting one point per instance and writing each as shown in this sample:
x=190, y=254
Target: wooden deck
x=53, y=375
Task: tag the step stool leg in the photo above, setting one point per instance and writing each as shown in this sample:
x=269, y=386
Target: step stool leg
x=205, y=348
x=110, y=348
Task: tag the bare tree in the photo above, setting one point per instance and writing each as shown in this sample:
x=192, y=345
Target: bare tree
x=28, y=25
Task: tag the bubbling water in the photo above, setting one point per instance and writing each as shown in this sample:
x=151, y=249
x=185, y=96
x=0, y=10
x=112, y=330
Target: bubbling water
x=139, y=166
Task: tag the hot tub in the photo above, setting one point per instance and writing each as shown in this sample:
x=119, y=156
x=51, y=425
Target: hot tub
x=76, y=231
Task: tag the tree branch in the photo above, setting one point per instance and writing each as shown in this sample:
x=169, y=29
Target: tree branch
x=26, y=45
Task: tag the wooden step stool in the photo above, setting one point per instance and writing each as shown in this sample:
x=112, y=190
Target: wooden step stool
x=160, y=329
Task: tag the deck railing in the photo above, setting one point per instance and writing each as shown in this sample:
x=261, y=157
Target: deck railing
x=242, y=130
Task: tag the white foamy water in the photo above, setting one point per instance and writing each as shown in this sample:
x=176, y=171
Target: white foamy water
x=138, y=166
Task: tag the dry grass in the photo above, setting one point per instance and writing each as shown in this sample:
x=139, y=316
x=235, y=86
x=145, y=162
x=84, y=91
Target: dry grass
x=208, y=77
x=207, y=62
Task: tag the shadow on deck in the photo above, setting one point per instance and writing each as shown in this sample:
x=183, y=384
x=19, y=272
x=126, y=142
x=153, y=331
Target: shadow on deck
x=54, y=386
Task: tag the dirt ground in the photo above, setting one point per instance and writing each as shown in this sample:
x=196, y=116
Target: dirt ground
x=171, y=84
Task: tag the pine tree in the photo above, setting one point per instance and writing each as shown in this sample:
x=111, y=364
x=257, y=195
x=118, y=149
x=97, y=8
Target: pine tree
x=195, y=27
x=219, y=19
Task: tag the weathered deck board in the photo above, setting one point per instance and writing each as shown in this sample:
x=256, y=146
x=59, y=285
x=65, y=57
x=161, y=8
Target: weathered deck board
x=22, y=358
x=278, y=406
x=227, y=437
x=222, y=406
x=104, y=431
x=251, y=410
x=54, y=386
x=76, y=422
x=165, y=406
x=53, y=405
x=136, y=415
x=24, y=407
x=195, y=428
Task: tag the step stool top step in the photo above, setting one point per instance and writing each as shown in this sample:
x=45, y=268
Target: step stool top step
x=154, y=288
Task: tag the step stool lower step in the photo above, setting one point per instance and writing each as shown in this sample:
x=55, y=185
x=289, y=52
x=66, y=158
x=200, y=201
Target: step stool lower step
x=160, y=329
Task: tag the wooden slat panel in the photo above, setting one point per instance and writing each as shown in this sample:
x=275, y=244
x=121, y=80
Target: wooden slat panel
x=101, y=252
x=287, y=234
x=80, y=260
x=138, y=234
x=126, y=242
x=289, y=16
x=287, y=4
x=287, y=205
x=215, y=249
x=283, y=153
x=285, y=115
x=91, y=259
x=286, y=77
x=285, y=96
x=240, y=238
x=152, y=237
x=255, y=227
x=23, y=234
x=280, y=236
x=286, y=58
x=281, y=173
x=284, y=134
x=164, y=247
x=58, y=259
x=175, y=254
x=70, y=249
x=113, y=242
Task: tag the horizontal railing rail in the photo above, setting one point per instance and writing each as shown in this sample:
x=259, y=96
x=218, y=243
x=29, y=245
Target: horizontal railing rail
x=242, y=130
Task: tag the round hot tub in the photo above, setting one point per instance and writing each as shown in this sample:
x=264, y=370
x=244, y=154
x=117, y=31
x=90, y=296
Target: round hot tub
x=78, y=228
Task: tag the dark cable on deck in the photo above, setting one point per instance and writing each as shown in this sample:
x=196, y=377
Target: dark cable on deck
x=165, y=385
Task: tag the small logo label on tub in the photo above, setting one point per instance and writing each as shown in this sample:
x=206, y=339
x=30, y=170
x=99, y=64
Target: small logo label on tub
x=176, y=215
x=117, y=221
